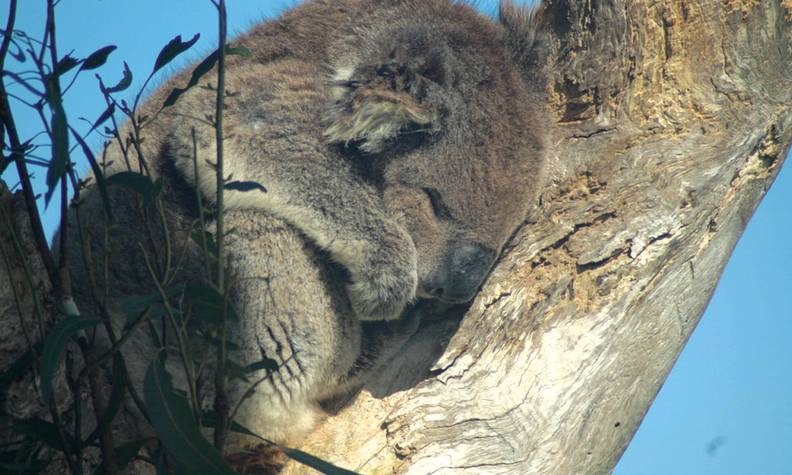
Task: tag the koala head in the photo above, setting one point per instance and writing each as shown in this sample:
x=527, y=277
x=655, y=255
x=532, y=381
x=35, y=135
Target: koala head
x=449, y=124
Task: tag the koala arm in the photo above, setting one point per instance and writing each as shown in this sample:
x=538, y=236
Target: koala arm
x=274, y=139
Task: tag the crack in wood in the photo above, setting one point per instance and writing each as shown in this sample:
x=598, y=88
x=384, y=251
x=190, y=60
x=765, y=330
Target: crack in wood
x=581, y=268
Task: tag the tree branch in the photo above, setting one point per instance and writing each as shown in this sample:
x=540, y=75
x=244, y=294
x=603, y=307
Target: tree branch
x=672, y=120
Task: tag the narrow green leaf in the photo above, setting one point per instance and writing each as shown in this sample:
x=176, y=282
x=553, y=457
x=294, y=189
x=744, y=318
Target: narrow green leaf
x=103, y=117
x=138, y=303
x=160, y=460
x=174, y=48
x=315, y=462
x=65, y=64
x=173, y=420
x=155, y=312
x=209, y=419
x=125, y=454
x=40, y=430
x=125, y=82
x=60, y=138
x=19, y=367
x=98, y=174
x=211, y=244
x=139, y=183
x=23, y=468
x=133, y=180
x=238, y=51
x=203, y=67
x=116, y=395
x=53, y=347
x=156, y=189
x=207, y=303
x=244, y=186
x=97, y=58
x=135, y=305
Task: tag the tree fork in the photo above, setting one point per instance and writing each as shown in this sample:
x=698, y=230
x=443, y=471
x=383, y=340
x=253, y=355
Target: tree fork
x=672, y=119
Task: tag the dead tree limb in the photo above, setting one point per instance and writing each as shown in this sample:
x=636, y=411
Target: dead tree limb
x=672, y=119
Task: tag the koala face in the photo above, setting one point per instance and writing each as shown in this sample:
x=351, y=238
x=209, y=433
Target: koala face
x=447, y=122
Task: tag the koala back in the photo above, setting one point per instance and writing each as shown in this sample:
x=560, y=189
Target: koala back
x=408, y=124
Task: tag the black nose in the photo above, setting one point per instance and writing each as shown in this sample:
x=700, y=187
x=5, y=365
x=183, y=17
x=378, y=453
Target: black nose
x=461, y=273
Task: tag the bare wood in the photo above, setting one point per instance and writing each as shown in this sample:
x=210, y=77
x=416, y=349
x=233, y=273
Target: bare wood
x=672, y=120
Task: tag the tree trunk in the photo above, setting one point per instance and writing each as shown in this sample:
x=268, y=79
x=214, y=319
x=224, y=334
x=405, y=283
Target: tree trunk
x=672, y=119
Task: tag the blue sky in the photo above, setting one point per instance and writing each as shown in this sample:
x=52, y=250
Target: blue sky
x=726, y=407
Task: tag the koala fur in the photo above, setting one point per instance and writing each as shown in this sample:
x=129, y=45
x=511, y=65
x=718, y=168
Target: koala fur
x=399, y=140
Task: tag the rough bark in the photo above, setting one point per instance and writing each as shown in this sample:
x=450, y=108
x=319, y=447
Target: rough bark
x=25, y=317
x=672, y=119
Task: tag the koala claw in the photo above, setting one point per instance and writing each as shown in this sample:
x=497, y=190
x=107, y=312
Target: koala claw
x=388, y=282
x=382, y=296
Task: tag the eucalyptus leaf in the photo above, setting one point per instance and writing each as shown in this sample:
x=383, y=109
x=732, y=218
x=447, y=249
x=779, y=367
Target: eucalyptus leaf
x=19, y=367
x=24, y=468
x=98, y=174
x=135, y=306
x=60, y=138
x=211, y=244
x=209, y=419
x=139, y=183
x=97, y=58
x=40, y=430
x=203, y=67
x=103, y=117
x=124, y=83
x=138, y=303
x=65, y=64
x=208, y=303
x=174, y=48
x=53, y=347
x=116, y=395
x=238, y=51
x=125, y=454
x=173, y=420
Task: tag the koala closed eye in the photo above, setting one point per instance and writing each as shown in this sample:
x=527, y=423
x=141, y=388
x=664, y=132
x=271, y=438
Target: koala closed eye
x=438, y=205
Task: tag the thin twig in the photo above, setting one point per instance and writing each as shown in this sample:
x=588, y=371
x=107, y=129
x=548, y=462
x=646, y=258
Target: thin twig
x=221, y=403
x=183, y=348
x=17, y=155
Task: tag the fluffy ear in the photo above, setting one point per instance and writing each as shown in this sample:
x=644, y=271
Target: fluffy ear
x=376, y=102
x=525, y=37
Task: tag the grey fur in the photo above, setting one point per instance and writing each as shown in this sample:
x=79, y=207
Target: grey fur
x=388, y=134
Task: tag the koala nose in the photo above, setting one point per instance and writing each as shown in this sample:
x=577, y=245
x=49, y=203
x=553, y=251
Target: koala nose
x=463, y=270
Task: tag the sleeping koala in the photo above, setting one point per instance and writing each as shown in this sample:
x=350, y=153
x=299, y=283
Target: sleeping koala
x=399, y=139
x=428, y=113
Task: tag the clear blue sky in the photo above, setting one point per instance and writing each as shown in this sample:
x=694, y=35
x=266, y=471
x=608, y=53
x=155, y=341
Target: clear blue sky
x=726, y=407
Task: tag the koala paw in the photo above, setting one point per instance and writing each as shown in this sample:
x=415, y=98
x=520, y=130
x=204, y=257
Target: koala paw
x=386, y=281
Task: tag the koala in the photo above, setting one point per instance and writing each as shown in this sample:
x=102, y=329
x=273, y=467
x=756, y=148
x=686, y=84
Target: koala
x=398, y=145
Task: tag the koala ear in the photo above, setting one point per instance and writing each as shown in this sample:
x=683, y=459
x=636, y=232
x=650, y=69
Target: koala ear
x=525, y=35
x=376, y=102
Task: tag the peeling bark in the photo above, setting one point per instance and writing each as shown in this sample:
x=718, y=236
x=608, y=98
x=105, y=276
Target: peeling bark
x=672, y=119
